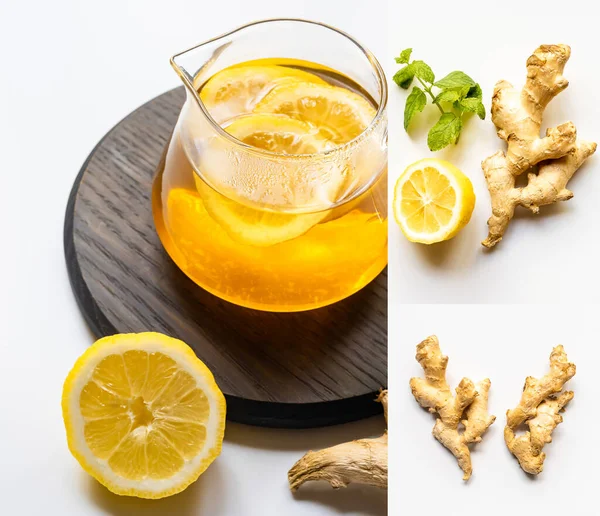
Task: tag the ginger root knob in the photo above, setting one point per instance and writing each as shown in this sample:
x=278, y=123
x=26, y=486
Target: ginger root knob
x=517, y=115
x=468, y=406
x=539, y=409
x=364, y=461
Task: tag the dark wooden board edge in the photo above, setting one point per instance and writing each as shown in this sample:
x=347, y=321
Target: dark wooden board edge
x=239, y=410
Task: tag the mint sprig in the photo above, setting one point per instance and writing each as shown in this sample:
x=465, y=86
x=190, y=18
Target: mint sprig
x=457, y=95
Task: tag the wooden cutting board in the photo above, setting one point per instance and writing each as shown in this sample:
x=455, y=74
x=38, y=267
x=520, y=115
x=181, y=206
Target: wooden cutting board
x=296, y=370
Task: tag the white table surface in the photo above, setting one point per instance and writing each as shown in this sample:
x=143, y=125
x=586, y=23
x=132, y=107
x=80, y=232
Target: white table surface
x=71, y=70
x=549, y=258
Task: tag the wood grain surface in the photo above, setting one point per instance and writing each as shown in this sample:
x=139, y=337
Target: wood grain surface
x=302, y=369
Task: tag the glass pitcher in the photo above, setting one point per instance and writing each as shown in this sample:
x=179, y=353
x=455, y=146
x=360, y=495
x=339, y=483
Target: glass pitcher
x=273, y=193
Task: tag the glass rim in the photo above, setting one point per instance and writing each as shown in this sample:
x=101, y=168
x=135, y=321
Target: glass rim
x=377, y=119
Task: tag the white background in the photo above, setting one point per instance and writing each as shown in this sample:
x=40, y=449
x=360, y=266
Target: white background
x=549, y=258
x=506, y=344
x=70, y=71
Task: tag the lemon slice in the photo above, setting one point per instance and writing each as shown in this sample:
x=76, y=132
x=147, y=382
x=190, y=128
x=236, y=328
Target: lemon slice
x=236, y=90
x=278, y=133
x=143, y=414
x=338, y=113
x=433, y=201
x=285, y=185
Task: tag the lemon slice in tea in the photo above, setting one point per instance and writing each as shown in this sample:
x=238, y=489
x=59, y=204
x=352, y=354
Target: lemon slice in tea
x=236, y=90
x=338, y=113
x=143, y=414
x=433, y=201
x=284, y=185
x=278, y=133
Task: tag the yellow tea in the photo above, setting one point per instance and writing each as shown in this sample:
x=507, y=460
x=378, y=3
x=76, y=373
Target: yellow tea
x=280, y=209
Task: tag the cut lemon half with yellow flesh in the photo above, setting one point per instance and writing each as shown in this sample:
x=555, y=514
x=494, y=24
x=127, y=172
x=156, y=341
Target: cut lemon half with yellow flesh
x=340, y=114
x=236, y=90
x=285, y=186
x=143, y=414
x=433, y=201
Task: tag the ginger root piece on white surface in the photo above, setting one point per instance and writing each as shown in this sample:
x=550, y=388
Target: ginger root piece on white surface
x=517, y=115
x=364, y=461
x=539, y=409
x=468, y=406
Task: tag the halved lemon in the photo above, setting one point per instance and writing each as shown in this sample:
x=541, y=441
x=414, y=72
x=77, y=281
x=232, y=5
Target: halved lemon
x=143, y=414
x=338, y=113
x=257, y=216
x=433, y=201
x=236, y=90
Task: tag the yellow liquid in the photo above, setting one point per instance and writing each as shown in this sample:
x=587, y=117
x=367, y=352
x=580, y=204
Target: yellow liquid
x=335, y=257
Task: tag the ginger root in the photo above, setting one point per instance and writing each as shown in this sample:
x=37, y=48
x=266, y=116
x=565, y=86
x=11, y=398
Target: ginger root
x=517, y=116
x=539, y=409
x=468, y=406
x=364, y=461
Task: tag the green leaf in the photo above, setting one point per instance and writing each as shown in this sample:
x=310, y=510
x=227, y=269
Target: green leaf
x=463, y=91
x=453, y=94
x=444, y=132
x=473, y=105
x=448, y=96
x=455, y=80
x=475, y=92
x=404, y=76
x=404, y=56
x=415, y=103
x=422, y=71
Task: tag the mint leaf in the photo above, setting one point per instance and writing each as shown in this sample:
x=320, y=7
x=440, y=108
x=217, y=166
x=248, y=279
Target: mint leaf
x=422, y=71
x=453, y=94
x=444, y=132
x=415, y=103
x=454, y=80
x=404, y=56
x=448, y=96
x=475, y=92
x=404, y=76
x=463, y=91
x=473, y=105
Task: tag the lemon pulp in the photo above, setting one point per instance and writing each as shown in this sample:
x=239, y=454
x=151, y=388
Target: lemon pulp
x=235, y=90
x=433, y=201
x=143, y=414
x=339, y=114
